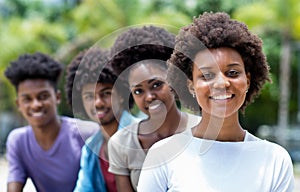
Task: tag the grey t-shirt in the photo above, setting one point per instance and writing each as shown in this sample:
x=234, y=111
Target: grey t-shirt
x=126, y=155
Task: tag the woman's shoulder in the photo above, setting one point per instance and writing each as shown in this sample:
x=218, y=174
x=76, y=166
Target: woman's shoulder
x=272, y=149
x=168, y=149
x=275, y=149
x=125, y=135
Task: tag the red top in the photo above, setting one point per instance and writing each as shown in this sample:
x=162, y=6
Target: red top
x=108, y=177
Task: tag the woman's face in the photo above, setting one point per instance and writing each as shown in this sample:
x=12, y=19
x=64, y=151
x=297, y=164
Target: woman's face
x=219, y=81
x=150, y=91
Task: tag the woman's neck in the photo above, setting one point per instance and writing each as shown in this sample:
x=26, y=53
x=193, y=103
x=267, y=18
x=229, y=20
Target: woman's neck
x=220, y=129
x=150, y=131
x=164, y=125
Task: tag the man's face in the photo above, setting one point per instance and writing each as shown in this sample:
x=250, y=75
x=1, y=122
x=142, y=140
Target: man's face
x=37, y=101
x=88, y=95
x=97, y=101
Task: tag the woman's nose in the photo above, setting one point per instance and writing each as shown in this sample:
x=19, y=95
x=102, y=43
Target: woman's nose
x=150, y=96
x=221, y=82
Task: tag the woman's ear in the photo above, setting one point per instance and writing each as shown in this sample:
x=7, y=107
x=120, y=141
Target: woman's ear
x=190, y=85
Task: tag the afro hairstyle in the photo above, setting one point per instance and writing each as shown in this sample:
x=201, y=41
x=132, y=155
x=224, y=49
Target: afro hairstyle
x=215, y=30
x=34, y=66
x=90, y=66
x=138, y=44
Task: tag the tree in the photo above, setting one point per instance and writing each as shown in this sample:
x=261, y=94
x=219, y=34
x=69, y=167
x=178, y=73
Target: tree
x=274, y=15
x=65, y=29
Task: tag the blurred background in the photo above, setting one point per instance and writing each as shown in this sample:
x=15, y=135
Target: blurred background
x=62, y=28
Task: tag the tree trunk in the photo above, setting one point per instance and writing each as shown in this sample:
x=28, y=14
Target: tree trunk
x=284, y=80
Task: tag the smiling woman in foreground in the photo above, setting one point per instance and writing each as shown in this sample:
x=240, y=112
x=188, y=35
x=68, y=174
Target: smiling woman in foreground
x=225, y=70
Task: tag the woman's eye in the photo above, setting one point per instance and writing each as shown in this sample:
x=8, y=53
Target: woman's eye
x=137, y=91
x=233, y=73
x=157, y=84
x=208, y=76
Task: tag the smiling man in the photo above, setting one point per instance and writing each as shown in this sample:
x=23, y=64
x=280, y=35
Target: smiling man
x=47, y=150
x=91, y=86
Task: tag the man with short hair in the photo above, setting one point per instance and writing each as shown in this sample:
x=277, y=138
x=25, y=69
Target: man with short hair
x=48, y=149
x=94, y=92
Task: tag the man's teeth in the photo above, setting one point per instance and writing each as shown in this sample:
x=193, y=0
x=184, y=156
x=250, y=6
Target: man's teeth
x=38, y=114
x=100, y=112
x=221, y=97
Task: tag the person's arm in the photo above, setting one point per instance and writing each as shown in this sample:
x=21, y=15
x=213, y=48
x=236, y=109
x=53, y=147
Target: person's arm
x=87, y=128
x=154, y=176
x=16, y=173
x=123, y=183
x=90, y=178
x=84, y=181
x=15, y=187
x=284, y=173
x=118, y=165
x=152, y=179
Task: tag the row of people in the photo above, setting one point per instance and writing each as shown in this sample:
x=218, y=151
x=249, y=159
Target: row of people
x=215, y=66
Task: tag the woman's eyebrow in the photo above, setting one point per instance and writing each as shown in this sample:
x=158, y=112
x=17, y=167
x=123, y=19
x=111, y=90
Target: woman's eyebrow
x=149, y=82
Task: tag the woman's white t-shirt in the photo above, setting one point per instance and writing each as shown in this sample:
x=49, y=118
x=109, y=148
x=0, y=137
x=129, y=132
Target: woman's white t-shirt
x=126, y=155
x=186, y=163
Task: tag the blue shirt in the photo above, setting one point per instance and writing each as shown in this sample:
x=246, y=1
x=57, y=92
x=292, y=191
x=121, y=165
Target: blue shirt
x=90, y=177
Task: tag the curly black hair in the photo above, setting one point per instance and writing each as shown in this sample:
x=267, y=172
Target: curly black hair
x=84, y=69
x=215, y=30
x=138, y=44
x=34, y=66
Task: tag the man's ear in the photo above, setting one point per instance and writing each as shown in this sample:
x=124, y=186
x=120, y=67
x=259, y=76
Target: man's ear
x=190, y=85
x=58, y=97
x=17, y=103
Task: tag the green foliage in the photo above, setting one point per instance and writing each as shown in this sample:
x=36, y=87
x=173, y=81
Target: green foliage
x=271, y=46
x=277, y=20
x=259, y=113
x=256, y=22
x=64, y=29
x=283, y=16
x=28, y=36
